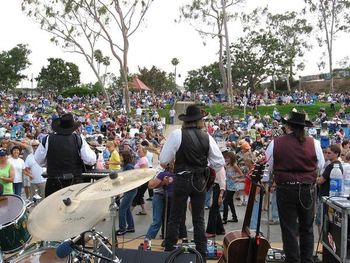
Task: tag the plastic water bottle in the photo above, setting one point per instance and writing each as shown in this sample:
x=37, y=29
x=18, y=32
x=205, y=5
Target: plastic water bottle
x=336, y=181
x=346, y=177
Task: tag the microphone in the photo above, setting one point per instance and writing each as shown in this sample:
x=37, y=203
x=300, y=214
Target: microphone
x=67, y=247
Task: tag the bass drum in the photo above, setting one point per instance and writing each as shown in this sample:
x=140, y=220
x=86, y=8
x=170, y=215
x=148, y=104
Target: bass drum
x=41, y=252
x=13, y=223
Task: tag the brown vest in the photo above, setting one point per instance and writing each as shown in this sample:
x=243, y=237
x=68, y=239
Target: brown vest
x=293, y=162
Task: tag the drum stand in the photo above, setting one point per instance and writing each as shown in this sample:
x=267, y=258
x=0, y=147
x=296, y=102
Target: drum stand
x=113, y=213
x=98, y=240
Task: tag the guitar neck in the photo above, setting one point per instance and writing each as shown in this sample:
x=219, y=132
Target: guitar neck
x=249, y=210
x=256, y=173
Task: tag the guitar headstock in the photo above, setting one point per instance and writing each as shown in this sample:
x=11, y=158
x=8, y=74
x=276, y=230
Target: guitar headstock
x=259, y=166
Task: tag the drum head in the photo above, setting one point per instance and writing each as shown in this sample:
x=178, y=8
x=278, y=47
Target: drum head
x=44, y=255
x=11, y=207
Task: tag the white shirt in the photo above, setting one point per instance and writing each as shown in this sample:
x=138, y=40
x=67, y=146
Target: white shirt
x=18, y=166
x=36, y=169
x=138, y=111
x=172, y=113
x=318, y=150
x=221, y=178
x=88, y=156
x=172, y=145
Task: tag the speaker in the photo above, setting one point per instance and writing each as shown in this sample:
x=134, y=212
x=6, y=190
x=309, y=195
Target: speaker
x=141, y=256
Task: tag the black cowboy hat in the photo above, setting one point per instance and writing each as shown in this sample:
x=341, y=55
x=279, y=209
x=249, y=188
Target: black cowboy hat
x=65, y=124
x=193, y=113
x=297, y=118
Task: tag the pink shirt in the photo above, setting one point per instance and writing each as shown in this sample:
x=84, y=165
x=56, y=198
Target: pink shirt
x=141, y=162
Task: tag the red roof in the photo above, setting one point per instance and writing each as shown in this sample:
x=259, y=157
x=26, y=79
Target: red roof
x=137, y=84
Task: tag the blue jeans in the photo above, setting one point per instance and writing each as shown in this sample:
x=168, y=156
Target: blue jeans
x=208, y=197
x=125, y=216
x=255, y=212
x=158, y=207
x=274, y=210
x=17, y=188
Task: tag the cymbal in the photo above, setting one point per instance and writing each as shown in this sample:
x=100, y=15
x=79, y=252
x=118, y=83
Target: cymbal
x=52, y=220
x=107, y=187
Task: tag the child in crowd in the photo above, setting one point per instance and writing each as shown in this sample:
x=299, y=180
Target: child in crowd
x=233, y=172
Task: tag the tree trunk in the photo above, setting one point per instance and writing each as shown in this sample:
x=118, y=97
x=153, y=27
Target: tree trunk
x=331, y=70
x=221, y=66
x=228, y=53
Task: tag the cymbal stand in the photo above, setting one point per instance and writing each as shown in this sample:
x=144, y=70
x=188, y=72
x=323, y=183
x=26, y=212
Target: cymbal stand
x=113, y=213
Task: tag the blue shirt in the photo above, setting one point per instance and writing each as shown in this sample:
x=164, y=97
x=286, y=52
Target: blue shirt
x=230, y=183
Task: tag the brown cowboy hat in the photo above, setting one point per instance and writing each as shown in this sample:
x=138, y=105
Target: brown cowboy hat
x=65, y=124
x=297, y=118
x=193, y=113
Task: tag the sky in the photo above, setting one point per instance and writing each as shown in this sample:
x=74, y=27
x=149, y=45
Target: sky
x=158, y=40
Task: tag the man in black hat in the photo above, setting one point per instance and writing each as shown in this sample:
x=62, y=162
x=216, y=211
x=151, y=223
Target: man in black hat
x=64, y=153
x=191, y=149
x=294, y=159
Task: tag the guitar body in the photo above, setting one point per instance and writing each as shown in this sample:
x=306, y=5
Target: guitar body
x=244, y=246
x=236, y=248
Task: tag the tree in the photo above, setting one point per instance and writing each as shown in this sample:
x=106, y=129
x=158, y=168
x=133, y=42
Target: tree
x=158, y=80
x=175, y=62
x=333, y=17
x=290, y=29
x=80, y=26
x=253, y=58
x=212, y=18
x=12, y=62
x=58, y=75
x=207, y=78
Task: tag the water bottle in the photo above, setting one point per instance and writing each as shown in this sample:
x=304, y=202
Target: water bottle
x=346, y=177
x=336, y=181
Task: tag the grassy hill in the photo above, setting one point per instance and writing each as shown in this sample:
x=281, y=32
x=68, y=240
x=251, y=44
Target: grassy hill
x=238, y=112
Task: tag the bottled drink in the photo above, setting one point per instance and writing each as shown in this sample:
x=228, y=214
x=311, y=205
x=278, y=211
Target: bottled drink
x=346, y=176
x=336, y=181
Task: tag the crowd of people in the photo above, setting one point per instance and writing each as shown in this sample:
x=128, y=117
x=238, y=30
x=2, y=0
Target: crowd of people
x=41, y=135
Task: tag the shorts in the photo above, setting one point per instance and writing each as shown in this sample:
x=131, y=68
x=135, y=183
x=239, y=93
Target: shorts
x=26, y=181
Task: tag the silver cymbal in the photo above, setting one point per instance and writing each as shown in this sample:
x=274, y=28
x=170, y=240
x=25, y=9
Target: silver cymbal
x=53, y=220
x=107, y=187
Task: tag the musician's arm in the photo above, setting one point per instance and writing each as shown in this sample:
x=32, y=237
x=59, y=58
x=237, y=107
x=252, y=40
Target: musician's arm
x=170, y=148
x=88, y=156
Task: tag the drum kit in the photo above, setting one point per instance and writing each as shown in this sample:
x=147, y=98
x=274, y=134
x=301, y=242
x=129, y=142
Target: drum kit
x=71, y=212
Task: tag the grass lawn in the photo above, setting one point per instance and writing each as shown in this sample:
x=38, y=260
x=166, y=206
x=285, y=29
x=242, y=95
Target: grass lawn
x=238, y=112
x=311, y=110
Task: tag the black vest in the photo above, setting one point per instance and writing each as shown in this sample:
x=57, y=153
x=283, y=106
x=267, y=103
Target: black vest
x=62, y=155
x=191, y=156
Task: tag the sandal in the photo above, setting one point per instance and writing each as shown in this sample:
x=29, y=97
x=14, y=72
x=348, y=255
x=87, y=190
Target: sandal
x=141, y=213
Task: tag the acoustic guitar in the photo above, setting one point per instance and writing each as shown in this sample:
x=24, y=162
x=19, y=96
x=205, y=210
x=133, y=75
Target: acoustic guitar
x=246, y=246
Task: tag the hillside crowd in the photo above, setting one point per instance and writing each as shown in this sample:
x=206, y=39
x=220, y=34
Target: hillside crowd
x=26, y=120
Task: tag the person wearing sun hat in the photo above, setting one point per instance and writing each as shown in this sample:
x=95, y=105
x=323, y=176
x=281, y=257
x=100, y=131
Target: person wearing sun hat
x=294, y=159
x=64, y=153
x=191, y=149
